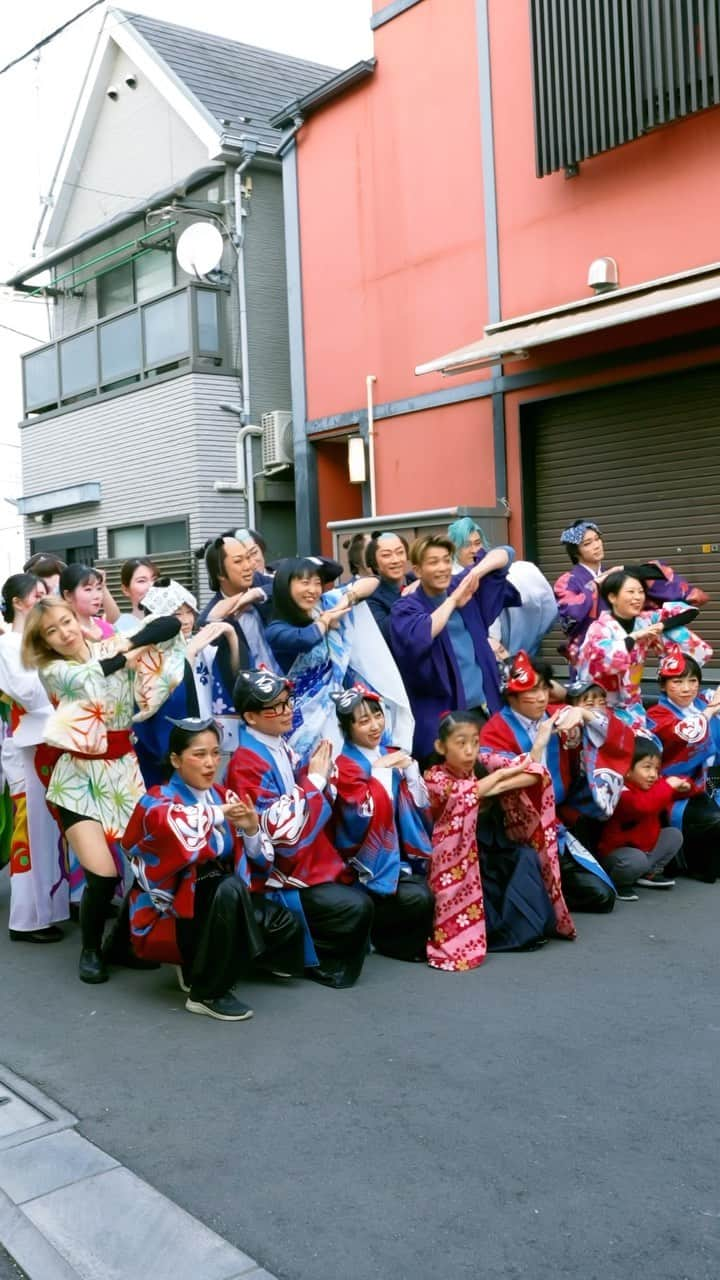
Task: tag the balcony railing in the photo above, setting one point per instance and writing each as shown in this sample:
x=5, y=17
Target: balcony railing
x=176, y=331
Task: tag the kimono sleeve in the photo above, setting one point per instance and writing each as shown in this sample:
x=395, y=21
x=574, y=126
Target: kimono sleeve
x=449, y=796
x=158, y=673
x=77, y=690
x=353, y=809
x=411, y=637
x=577, y=600
x=163, y=837
x=18, y=683
x=495, y=592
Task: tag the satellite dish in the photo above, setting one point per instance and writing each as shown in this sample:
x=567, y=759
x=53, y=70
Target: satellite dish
x=199, y=249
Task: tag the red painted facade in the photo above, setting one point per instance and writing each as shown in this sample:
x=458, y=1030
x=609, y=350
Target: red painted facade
x=393, y=239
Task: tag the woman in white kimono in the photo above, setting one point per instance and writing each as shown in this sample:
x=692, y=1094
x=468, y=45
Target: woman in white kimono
x=39, y=886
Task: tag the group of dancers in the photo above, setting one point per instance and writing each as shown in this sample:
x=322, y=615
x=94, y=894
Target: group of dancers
x=303, y=772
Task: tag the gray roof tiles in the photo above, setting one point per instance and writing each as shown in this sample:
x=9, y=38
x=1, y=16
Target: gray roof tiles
x=230, y=79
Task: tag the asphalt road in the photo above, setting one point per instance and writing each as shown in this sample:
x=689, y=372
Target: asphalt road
x=551, y=1115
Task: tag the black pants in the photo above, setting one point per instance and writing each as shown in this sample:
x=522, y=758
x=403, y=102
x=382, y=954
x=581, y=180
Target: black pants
x=582, y=890
x=403, y=920
x=227, y=936
x=701, y=839
x=339, y=917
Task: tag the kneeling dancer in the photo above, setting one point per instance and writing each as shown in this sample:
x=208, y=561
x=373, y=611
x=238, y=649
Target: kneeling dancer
x=295, y=806
x=381, y=825
x=190, y=905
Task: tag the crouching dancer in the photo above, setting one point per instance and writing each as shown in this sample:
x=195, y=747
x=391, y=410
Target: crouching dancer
x=190, y=905
x=294, y=809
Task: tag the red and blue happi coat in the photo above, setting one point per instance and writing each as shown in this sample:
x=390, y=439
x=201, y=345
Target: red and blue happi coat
x=294, y=821
x=374, y=833
x=689, y=742
x=168, y=836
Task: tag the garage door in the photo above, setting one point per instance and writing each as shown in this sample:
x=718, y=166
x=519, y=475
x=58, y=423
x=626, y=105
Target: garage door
x=643, y=460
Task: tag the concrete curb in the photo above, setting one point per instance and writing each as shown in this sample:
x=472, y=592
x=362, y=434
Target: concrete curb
x=69, y=1211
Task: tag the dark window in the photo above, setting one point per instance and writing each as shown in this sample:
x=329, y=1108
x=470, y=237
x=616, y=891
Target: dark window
x=150, y=273
x=154, y=538
x=606, y=71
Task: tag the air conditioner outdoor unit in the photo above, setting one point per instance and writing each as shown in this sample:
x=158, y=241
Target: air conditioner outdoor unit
x=277, y=440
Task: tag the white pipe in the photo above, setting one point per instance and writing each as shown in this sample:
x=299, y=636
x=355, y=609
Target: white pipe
x=369, y=380
x=242, y=290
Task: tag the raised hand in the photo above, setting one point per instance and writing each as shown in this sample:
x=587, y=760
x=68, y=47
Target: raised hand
x=321, y=759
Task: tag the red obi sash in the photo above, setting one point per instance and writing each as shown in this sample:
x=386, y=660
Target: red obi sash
x=119, y=743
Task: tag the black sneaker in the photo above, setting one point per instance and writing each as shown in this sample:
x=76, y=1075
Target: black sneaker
x=656, y=881
x=50, y=934
x=627, y=895
x=226, y=1008
x=91, y=967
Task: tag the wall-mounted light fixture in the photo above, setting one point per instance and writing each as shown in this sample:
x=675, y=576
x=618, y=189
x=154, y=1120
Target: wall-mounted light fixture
x=357, y=466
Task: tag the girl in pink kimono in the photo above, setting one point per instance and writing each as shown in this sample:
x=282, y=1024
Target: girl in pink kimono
x=457, y=788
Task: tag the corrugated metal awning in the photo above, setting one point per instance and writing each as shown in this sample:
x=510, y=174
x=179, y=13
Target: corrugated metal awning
x=514, y=339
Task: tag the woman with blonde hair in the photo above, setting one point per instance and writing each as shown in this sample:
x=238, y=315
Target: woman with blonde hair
x=94, y=778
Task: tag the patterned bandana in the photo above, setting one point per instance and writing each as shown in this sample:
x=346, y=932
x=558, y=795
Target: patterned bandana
x=522, y=676
x=262, y=687
x=349, y=699
x=165, y=598
x=575, y=534
x=672, y=663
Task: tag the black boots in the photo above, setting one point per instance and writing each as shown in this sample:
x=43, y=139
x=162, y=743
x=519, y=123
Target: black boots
x=94, y=908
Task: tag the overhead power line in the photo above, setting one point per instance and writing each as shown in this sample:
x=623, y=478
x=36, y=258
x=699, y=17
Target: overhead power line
x=46, y=39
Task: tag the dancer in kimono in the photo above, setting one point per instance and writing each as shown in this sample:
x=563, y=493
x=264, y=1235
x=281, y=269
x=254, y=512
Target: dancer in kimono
x=39, y=888
x=387, y=556
x=617, y=644
x=520, y=626
x=295, y=807
x=190, y=905
x=136, y=577
x=577, y=592
x=95, y=781
x=584, y=756
x=325, y=640
x=440, y=634
x=686, y=721
x=381, y=826
x=193, y=696
x=522, y=915
x=84, y=590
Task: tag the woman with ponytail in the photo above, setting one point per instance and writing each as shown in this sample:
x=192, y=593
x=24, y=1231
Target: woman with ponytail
x=39, y=891
x=94, y=778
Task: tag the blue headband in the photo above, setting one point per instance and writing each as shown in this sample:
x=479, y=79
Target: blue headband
x=575, y=534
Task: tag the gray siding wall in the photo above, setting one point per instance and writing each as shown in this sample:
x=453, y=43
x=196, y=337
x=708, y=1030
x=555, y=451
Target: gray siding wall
x=267, y=296
x=156, y=453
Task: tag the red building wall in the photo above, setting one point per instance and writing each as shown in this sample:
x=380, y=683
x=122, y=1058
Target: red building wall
x=651, y=204
x=391, y=213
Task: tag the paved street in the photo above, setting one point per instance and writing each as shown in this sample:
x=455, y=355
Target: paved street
x=551, y=1115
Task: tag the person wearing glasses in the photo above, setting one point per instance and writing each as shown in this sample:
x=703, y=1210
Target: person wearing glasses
x=294, y=806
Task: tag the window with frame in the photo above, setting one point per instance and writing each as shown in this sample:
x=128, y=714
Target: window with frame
x=147, y=539
x=152, y=272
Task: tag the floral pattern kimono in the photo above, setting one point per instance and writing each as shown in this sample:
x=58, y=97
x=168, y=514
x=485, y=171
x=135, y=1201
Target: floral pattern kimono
x=459, y=937
x=96, y=773
x=607, y=660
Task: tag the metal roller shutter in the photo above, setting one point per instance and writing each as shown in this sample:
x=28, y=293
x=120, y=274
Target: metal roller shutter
x=643, y=459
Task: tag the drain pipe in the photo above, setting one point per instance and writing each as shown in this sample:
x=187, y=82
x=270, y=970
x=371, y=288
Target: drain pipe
x=369, y=380
x=239, y=242
x=244, y=483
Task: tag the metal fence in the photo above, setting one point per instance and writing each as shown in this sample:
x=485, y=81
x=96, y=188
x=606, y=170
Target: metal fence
x=606, y=71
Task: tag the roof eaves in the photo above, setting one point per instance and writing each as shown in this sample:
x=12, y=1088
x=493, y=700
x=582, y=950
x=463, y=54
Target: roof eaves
x=120, y=220
x=325, y=93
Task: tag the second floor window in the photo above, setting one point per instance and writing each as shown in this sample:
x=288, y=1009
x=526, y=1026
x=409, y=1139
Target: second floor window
x=151, y=273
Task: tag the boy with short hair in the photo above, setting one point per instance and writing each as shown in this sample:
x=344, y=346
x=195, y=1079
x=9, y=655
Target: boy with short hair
x=634, y=845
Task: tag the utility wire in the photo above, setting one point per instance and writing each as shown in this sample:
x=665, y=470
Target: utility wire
x=21, y=334
x=46, y=39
